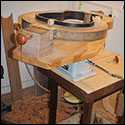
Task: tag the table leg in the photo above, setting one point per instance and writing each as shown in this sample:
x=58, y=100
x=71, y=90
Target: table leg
x=53, y=87
x=87, y=111
x=121, y=119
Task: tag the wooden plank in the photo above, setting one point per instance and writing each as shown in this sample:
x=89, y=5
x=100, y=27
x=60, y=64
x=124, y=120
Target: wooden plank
x=13, y=66
x=64, y=53
x=39, y=45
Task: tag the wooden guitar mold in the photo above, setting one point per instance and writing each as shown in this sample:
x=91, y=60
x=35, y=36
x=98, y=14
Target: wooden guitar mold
x=59, y=38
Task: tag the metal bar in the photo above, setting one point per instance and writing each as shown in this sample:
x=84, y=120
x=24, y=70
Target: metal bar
x=111, y=74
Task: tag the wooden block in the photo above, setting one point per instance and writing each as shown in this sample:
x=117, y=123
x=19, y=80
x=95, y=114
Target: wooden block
x=87, y=18
x=40, y=45
x=13, y=66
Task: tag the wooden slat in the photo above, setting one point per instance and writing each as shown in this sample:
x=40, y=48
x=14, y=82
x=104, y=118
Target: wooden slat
x=13, y=66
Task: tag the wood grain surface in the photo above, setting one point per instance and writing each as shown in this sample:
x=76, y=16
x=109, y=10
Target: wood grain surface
x=12, y=65
x=64, y=53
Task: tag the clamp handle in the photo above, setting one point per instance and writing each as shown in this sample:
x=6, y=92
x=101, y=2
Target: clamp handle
x=21, y=37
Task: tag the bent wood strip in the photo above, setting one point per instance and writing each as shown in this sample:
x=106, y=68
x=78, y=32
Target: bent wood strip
x=13, y=66
x=96, y=32
x=30, y=18
x=79, y=36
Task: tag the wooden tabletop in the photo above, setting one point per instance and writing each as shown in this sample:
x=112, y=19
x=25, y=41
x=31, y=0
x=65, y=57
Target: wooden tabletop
x=101, y=79
x=101, y=83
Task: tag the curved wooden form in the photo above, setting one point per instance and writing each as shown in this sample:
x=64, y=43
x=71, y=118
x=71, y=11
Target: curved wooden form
x=64, y=53
x=53, y=46
x=81, y=34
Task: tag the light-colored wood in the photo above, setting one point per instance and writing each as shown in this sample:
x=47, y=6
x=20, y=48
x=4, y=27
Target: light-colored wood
x=64, y=53
x=87, y=18
x=39, y=45
x=13, y=66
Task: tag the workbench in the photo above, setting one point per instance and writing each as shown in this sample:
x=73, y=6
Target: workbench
x=87, y=90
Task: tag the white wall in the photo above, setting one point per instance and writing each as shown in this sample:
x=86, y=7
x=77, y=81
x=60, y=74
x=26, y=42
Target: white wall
x=115, y=39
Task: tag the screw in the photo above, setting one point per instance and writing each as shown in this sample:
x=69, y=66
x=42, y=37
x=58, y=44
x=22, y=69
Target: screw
x=55, y=31
x=54, y=36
